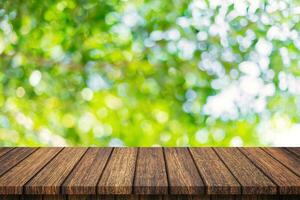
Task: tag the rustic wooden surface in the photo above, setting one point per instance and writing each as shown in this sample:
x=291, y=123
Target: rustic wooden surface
x=149, y=173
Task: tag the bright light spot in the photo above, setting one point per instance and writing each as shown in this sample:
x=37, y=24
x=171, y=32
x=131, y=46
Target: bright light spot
x=102, y=130
x=202, y=36
x=202, y=136
x=218, y=135
x=96, y=82
x=87, y=94
x=186, y=48
x=156, y=35
x=184, y=22
x=264, y=47
x=86, y=122
x=280, y=131
x=236, y=142
x=165, y=137
x=131, y=18
x=24, y=121
x=183, y=141
x=116, y=142
x=250, y=85
x=35, y=78
x=249, y=68
x=173, y=34
x=20, y=92
x=161, y=116
x=57, y=53
x=47, y=137
x=113, y=102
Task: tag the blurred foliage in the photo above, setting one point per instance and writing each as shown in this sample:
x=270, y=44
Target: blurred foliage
x=149, y=73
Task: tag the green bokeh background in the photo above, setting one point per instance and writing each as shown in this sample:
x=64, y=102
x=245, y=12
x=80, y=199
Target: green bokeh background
x=149, y=73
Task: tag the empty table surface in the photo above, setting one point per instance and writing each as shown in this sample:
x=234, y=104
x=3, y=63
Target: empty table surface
x=150, y=171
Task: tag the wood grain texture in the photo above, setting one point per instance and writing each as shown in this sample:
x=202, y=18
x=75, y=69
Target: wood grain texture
x=289, y=160
x=252, y=180
x=182, y=172
x=50, y=178
x=217, y=178
x=85, y=176
x=151, y=175
x=4, y=150
x=13, y=157
x=118, y=175
x=13, y=181
x=287, y=181
x=295, y=150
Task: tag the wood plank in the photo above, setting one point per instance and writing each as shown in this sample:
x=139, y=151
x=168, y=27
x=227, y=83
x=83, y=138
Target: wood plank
x=79, y=197
x=13, y=181
x=126, y=197
x=287, y=181
x=187, y=197
x=4, y=150
x=31, y=197
x=50, y=178
x=118, y=175
x=286, y=158
x=295, y=150
x=182, y=172
x=252, y=180
x=85, y=176
x=10, y=197
x=54, y=197
x=13, y=157
x=222, y=197
x=290, y=197
x=151, y=175
x=103, y=197
x=151, y=197
x=218, y=179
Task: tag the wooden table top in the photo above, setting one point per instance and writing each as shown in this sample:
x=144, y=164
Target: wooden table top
x=155, y=171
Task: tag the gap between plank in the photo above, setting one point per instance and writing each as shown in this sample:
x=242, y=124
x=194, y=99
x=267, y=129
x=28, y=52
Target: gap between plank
x=23, y=188
x=106, y=163
x=298, y=155
x=201, y=176
x=135, y=168
x=62, y=183
x=280, y=162
x=19, y=161
x=8, y=151
x=242, y=192
x=167, y=173
x=277, y=186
